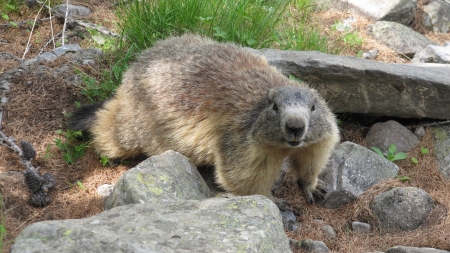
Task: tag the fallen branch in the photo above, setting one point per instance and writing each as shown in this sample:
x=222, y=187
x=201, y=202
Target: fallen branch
x=31, y=33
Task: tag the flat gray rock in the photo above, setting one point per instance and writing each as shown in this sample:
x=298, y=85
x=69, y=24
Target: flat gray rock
x=169, y=177
x=363, y=86
x=73, y=10
x=352, y=170
x=241, y=224
x=399, y=37
x=381, y=135
x=402, y=208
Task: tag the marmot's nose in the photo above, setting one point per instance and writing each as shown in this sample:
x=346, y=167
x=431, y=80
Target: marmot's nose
x=295, y=126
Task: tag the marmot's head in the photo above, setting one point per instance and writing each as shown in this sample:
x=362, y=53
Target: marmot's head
x=293, y=117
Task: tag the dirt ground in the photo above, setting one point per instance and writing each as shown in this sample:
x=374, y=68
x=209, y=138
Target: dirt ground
x=36, y=109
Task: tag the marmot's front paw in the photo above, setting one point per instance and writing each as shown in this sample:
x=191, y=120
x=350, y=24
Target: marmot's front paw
x=319, y=192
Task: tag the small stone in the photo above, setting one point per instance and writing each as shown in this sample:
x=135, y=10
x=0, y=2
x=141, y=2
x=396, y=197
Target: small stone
x=419, y=132
x=360, y=227
x=105, y=190
x=314, y=246
x=329, y=231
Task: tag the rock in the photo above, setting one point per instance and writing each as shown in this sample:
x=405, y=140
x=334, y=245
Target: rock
x=436, y=16
x=47, y=56
x=313, y=246
x=73, y=10
x=433, y=54
x=441, y=150
x=400, y=11
x=241, y=224
x=381, y=135
x=419, y=132
x=65, y=49
x=289, y=221
x=105, y=190
x=352, y=170
x=399, y=37
x=402, y=249
x=360, y=227
x=329, y=231
x=402, y=208
x=169, y=177
x=357, y=85
x=371, y=54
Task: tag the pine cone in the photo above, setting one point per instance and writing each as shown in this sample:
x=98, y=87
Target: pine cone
x=33, y=180
x=40, y=199
x=48, y=182
x=28, y=151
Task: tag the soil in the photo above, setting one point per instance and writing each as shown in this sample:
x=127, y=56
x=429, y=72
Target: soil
x=38, y=104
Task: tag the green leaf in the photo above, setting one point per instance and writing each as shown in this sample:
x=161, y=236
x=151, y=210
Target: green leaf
x=399, y=156
x=424, y=151
x=5, y=16
x=81, y=185
x=59, y=131
x=378, y=151
x=404, y=178
x=414, y=160
x=392, y=148
x=391, y=157
x=104, y=160
x=11, y=7
x=14, y=24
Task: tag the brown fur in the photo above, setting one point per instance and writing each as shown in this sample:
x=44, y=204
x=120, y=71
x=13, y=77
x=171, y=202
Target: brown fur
x=218, y=105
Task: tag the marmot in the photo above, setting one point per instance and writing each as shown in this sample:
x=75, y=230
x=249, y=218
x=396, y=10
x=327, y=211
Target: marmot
x=217, y=104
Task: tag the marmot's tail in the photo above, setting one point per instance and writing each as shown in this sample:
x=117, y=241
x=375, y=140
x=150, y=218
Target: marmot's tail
x=83, y=118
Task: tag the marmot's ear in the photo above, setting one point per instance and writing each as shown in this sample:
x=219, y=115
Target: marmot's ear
x=271, y=94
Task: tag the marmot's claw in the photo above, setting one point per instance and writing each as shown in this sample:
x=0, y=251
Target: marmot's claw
x=282, y=205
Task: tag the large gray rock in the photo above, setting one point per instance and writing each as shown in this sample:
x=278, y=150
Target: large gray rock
x=241, y=224
x=402, y=249
x=169, y=177
x=400, y=11
x=402, y=208
x=442, y=149
x=436, y=16
x=363, y=86
x=399, y=37
x=381, y=135
x=434, y=54
x=352, y=170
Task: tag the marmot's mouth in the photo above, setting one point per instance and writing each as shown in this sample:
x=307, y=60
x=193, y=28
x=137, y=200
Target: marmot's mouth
x=294, y=143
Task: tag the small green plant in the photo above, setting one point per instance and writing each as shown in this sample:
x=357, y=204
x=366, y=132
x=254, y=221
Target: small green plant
x=391, y=154
x=95, y=90
x=47, y=154
x=104, y=160
x=103, y=42
x=2, y=224
x=404, y=178
x=424, y=151
x=80, y=184
x=72, y=148
x=352, y=39
x=414, y=160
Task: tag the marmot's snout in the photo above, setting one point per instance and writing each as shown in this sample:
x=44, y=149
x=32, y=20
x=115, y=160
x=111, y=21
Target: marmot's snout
x=295, y=129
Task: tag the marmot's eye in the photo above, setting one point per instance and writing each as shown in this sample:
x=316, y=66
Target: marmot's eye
x=275, y=107
x=313, y=107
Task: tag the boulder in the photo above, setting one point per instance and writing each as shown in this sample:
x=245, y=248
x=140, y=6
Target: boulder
x=402, y=208
x=399, y=37
x=402, y=249
x=381, y=135
x=241, y=224
x=436, y=16
x=352, y=170
x=441, y=150
x=434, y=54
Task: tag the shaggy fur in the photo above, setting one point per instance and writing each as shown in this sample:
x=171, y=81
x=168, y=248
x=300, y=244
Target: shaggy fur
x=220, y=105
